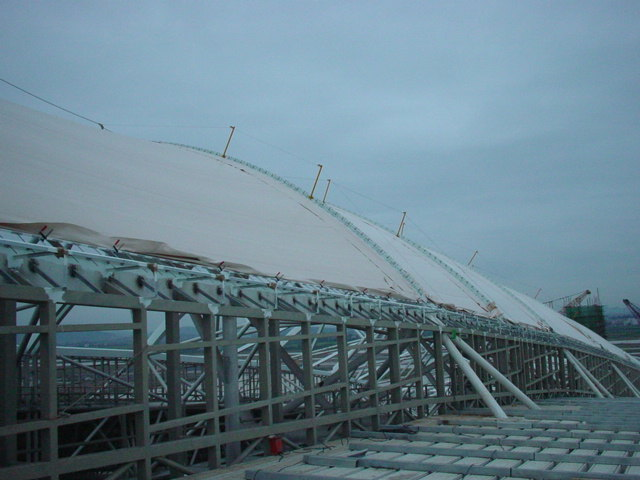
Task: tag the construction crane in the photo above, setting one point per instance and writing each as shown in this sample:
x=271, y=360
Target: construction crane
x=568, y=301
x=635, y=309
x=578, y=299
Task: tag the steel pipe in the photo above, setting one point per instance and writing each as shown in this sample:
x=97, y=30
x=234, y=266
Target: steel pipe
x=595, y=380
x=624, y=378
x=500, y=378
x=579, y=368
x=486, y=396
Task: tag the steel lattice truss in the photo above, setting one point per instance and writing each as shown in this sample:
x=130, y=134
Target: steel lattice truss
x=214, y=362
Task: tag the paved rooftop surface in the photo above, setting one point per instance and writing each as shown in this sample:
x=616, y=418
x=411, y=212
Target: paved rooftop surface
x=573, y=438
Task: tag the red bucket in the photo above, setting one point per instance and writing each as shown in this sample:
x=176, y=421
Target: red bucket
x=275, y=444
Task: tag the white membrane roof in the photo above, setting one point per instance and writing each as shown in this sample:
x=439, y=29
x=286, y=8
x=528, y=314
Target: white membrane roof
x=446, y=281
x=95, y=186
x=98, y=187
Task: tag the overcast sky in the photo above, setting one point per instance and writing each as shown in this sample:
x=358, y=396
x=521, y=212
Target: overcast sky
x=512, y=128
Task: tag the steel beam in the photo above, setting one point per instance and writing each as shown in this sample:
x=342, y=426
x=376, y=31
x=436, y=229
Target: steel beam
x=594, y=379
x=48, y=383
x=174, y=385
x=275, y=362
x=439, y=367
x=264, y=378
x=308, y=384
x=141, y=390
x=627, y=382
x=231, y=388
x=580, y=369
x=394, y=371
x=488, y=400
x=210, y=383
x=504, y=381
x=8, y=382
x=417, y=368
x=343, y=371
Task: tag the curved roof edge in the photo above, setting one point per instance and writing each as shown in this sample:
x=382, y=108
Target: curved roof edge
x=510, y=305
x=407, y=276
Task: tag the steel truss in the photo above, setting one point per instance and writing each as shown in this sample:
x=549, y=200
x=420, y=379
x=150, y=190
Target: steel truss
x=268, y=357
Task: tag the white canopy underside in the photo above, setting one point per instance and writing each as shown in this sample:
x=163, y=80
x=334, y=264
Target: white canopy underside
x=97, y=187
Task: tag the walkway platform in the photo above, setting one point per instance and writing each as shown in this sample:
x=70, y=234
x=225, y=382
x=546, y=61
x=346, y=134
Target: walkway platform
x=572, y=438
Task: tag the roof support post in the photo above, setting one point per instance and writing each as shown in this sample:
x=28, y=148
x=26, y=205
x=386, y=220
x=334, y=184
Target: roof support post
x=373, y=376
x=275, y=364
x=308, y=382
x=563, y=382
x=627, y=382
x=417, y=367
x=439, y=367
x=393, y=335
x=140, y=390
x=210, y=383
x=231, y=387
x=489, y=401
x=581, y=371
x=264, y=378
x=343, y=370
x=173, y=374
x=501, y=379
x=8, y=382
x=49, y=387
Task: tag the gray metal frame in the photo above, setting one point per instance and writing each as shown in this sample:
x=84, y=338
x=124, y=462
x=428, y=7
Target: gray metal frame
x=271, y=357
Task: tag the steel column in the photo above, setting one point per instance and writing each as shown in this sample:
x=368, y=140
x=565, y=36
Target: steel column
x=439, y=366
x=264, y=376
x=210, y=383
x=394, y=371
x=173, y=376
x=308, y=383
x=231, y=390
x=343, y=370
x=8, y=382
x=417, y=368
x=372, y=380
x=275, y=355
x=141, y=390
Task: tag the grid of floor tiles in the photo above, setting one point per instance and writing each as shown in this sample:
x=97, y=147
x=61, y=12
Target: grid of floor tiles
x=575, y=438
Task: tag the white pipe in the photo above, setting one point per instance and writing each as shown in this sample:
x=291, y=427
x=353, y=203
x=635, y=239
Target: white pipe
x=578, y=367
x=604, y=390
x=595, y=380
x=487, y=398
x=624, y=378
x=495, y=373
